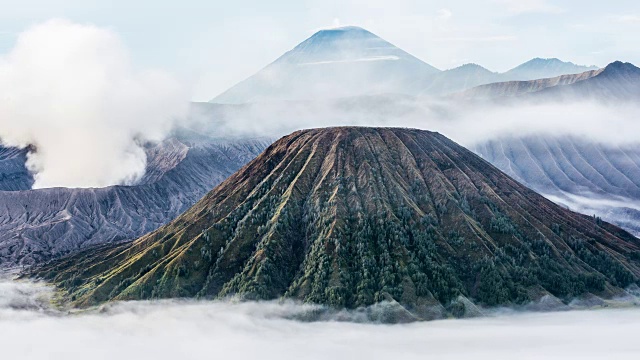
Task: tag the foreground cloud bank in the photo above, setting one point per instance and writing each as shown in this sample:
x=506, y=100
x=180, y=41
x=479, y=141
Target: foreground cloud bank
x=175, y=330
x=71, y=92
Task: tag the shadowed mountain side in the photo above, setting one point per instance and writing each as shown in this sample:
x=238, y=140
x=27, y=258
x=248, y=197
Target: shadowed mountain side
x=587, y=176
x=353, y=216
x=14, y=174
x=38, y=225
x=515, y=88
x=618, y=81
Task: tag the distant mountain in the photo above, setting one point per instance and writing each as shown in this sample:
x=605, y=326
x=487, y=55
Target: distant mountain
x=586, y=175
x=617, y=81
x=348, y=61
x=520, y=79
x=38, y=225
x=516, y=88
x=458, y=79
x=353, y=216
x=589, y=177
x=544, y=68
x=351, y=62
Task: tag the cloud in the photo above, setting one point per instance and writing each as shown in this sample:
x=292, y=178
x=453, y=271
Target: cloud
x=627, y=19
x=517, y=7
x=470, y=124
x=71, y=92
x=195, y=330
x=444, y=14
x=372, y=58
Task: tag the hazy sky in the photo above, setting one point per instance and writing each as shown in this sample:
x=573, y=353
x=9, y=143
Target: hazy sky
x=214, y=44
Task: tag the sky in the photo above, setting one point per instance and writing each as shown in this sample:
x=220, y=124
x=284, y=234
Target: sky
x=211, y=45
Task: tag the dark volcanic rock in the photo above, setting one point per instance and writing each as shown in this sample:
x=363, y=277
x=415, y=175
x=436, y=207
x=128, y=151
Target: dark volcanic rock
x=38, y=225
x=351, y=217
x=14, y=174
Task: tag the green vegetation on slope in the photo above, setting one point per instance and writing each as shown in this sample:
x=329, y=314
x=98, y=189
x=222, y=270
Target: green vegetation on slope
x=353, y=216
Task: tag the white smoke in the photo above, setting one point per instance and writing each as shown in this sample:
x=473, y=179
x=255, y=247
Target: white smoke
x=199, y=330
x=71, y=91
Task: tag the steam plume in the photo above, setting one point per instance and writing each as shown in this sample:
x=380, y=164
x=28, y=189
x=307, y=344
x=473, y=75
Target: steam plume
x=71, y=92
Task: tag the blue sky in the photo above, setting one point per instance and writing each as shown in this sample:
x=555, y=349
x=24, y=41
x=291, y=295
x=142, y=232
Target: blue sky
x=212, y=45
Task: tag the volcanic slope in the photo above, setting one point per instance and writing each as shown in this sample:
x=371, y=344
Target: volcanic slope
x=590, y=177
x=352, y=216
x=37, y=225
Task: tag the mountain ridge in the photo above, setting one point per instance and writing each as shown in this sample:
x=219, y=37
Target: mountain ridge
x=352, y=216
x=352, y=55
x=352, y=61
x=616, y=81
x=538, y=68
x=42, y=224
x=515, y=88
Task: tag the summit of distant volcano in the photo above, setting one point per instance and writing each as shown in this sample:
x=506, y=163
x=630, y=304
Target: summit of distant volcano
x=332, y=63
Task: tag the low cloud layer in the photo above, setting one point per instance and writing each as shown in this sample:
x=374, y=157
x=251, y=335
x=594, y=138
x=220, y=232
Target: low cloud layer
x=71, y=93
x=468, y=124
x=182, y=330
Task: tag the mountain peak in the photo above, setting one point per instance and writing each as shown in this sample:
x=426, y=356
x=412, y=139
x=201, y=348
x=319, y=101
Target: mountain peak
x=545, y=60
x=620, y=68
x=540, y=68
x=353, y=216
x=353, y=33
x=344, y=30
x=471, y=67
x=339, y=62
x=337, y=43
x=537, y=62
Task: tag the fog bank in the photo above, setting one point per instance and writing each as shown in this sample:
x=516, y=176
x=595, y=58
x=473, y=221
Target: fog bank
x=196, y=330
x=467, y=123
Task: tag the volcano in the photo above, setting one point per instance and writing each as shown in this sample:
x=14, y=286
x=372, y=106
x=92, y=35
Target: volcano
x=351, y=217
x=333, y=63
x=539, y=68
